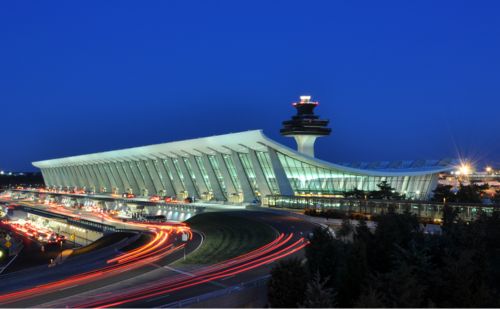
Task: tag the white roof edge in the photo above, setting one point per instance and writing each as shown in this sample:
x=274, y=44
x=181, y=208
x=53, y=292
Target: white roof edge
x=190, y=144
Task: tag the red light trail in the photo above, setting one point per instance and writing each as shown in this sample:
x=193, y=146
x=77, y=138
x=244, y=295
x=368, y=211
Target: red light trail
x=157, y=248
x=148, y=253
x=267, y=254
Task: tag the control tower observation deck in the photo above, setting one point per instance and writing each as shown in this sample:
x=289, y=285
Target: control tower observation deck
x=305, y=127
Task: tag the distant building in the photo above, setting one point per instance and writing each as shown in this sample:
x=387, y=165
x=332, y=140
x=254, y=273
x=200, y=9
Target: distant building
x=490, y=176
x=239, y=167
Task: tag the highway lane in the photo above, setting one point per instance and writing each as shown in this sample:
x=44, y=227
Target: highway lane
x=145, y=274
x=282, y=222
x=200, y=281
x=156, y=273
x=160, y=254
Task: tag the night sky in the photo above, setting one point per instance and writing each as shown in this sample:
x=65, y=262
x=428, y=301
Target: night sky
x=398, y=80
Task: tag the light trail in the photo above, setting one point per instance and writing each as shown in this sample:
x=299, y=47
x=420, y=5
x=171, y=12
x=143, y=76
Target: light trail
x=262, y=256
x=148, y=253
x=282, y=246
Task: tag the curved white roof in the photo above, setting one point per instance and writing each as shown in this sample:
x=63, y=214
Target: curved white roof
x=241, y=142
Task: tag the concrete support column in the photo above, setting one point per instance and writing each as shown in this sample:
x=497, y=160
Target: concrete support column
x=120, y=186
x=139, y=177
x=148, y=180
x=78, y=181
x=131, y=178
x=65, y=177
x=246, y=188
x=155, y=176
x=167, y=183
x=117, y=169
x=59, y=181
x=97, y=179
x=191, y=188
x=279, y=172
x=93, y=183
x=75, y=178
x=97, y=175
x=104, y=169
x=62, y=176
x=177, y=183
x=104, y=176
x=217, y=190
x=200, y=181
x=53, y=176
x=46, y=177
x=264, y=188
x=81, y=175
x=231, y=189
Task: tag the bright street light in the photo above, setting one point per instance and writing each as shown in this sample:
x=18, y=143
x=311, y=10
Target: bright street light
x=465, y=169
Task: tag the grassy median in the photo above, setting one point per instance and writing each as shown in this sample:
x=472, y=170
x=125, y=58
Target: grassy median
x=227, y=235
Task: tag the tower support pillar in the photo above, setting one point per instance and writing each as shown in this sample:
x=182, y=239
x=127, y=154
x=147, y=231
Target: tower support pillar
x=305, y=144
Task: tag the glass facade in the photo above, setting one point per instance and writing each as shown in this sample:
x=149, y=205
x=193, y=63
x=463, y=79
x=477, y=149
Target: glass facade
x=179, y=172
x=255, y=167
x=232, y=171
x=169, y=172
x=157, y=169
x=130, y=178
x=311, y=179
x=203, y=171
x=249, y=172
x=191, y=173
x=218, y=174
x=141, y=173
x=267, y=168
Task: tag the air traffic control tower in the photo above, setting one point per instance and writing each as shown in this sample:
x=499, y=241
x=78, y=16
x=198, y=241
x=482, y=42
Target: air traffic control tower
x=305, y=127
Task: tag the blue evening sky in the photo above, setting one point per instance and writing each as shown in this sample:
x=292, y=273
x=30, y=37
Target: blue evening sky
x=397, y=79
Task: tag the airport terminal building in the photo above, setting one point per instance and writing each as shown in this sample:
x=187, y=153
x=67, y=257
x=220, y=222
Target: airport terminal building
x=238, y=168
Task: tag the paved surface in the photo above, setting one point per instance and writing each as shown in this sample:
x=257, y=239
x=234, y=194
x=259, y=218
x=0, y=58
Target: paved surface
x=161, y=272
x=146, y=273
x=283, y=223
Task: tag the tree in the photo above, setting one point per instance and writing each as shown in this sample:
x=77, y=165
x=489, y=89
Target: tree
x=444, y=193
x=449, y=219
x=355, y=193
x=288, y=283
x=363, y=233
x=318, y=295
x=354, y=274
x=384, y=192
x=469, y=194
x=399, y=266
x=324, y=254
x=393, y=231
x=346, y=228
x=370, y=298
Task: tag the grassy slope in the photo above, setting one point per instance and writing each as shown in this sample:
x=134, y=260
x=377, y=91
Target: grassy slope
x=227, y=236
